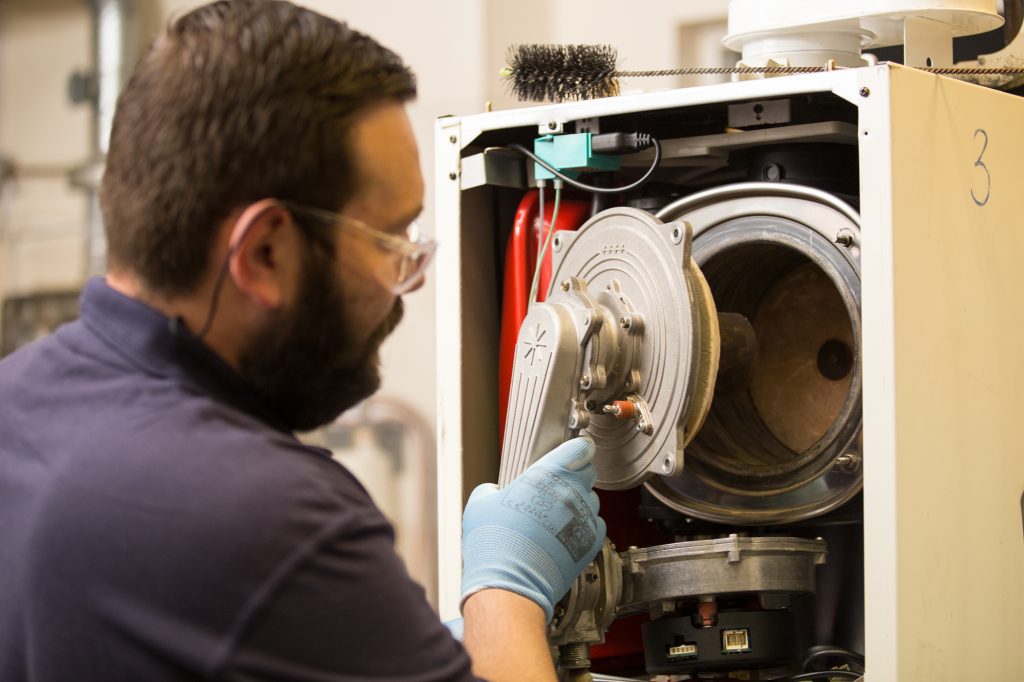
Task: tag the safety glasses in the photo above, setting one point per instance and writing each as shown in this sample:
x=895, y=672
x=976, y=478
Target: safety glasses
x=413, y=249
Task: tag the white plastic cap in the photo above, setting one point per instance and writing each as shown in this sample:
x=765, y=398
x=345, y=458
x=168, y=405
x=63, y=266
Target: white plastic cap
x=796, y=31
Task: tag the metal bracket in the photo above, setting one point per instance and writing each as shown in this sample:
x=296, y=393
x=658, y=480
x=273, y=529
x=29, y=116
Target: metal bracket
x=927, y=42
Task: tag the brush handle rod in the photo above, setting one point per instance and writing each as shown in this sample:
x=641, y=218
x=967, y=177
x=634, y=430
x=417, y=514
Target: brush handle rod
x=721, y=70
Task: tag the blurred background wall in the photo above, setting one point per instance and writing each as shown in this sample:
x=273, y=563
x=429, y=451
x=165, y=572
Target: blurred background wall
x=456, y=48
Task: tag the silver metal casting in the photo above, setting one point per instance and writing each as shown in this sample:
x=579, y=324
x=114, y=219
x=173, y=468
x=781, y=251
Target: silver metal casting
x=619, y=324
x=718, y=567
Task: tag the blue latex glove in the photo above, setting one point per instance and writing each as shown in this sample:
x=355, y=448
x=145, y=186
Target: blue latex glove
x=537, y=534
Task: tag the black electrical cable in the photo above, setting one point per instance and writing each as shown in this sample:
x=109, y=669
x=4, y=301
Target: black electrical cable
x=821, y=675
x=215, y=298
x=591, y=188
x=832, y=652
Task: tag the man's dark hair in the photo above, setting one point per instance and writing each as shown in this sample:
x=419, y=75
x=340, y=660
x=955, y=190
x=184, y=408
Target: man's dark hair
x=237, y=101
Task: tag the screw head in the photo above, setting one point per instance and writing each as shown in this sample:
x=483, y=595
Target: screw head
x=453, y=139
x=452, y=175
x=585, y=381
x=845, y=238
x=552, y=125
x=624, y=322
x=864, y=92
x=850, y=462
x=564, y=285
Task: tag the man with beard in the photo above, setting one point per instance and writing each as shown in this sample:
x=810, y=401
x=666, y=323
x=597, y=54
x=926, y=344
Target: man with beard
x=158, y=519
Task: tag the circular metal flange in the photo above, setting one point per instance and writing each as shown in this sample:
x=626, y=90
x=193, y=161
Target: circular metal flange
x=632, y=255
x=710, y=352
x=739, y=470
x=722, y=566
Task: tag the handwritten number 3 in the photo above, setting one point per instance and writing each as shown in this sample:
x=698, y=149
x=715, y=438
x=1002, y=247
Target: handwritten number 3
x=981, y=164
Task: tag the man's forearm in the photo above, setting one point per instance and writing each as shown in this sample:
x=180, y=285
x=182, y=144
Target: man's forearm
x=506, y=637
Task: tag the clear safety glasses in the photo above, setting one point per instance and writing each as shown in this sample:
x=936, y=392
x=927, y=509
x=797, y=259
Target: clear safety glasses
x=414, y=250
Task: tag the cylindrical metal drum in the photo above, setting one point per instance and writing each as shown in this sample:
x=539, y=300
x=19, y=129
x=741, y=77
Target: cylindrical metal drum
x=782, y=440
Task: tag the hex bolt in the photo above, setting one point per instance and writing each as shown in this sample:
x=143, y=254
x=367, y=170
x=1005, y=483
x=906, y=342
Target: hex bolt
x=845, y=238
x=578, y=419
x=864, y=92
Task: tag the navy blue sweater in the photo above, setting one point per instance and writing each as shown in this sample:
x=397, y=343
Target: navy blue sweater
x=156, y=524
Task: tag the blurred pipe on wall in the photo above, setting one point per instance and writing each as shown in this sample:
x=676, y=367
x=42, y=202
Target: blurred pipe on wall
x=116, y=43
x=387, y=444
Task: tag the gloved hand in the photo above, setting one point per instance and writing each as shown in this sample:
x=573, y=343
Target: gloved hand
x=536, y=535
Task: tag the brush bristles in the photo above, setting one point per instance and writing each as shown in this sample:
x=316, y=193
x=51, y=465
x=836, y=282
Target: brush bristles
x=561, y=72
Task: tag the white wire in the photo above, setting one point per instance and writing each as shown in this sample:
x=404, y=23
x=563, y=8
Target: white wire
x=547, y=241
x=541, y=186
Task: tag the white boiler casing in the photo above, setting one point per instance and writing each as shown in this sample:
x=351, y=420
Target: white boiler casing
x=941, y=166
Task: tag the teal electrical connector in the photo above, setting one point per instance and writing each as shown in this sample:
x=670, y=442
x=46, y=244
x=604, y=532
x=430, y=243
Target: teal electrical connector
x=572, y=154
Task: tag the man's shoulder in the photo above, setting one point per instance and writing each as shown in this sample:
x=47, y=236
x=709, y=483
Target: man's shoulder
x=97, y=446
x=200, y=489
x=188, y=447
x=23, y=359
x=110, y=434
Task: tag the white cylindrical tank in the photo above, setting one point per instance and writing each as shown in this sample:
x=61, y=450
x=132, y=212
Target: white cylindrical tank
x=811, y=32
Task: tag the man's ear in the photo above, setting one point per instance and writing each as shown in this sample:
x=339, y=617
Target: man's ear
x=262, y=253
